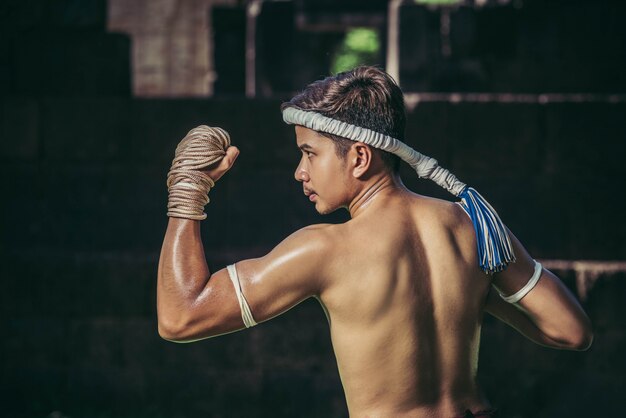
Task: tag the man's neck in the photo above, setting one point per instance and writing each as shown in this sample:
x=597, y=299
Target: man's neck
x=377, y=188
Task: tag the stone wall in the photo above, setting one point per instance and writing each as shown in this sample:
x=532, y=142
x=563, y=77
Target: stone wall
x=172, y=49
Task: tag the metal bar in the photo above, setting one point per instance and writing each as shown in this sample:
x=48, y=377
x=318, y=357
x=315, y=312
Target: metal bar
x=413, y=99
x=252, y=12
x=393, y=39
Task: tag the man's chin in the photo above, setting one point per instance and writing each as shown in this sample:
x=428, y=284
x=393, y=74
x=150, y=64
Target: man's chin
x=323, y=209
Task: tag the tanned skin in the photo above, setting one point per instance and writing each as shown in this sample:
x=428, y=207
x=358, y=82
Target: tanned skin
x=400, y=282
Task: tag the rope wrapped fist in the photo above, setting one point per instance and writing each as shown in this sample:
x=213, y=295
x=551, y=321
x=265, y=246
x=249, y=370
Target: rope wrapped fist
x=187, y=185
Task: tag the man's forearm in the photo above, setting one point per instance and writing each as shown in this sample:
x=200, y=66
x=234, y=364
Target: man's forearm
x=200, y=159
x=183, y=274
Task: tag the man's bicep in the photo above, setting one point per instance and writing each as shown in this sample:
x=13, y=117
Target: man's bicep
x=546, y=292
x=214, y=311
x=290, y=273
x=548, y=305
x=545, y=288
x=517, y=274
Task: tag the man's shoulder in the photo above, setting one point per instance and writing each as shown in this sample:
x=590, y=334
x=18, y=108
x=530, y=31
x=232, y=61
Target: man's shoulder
x=320, y=228
x=445, y=219
x=319, y=236
x=446, y=213
x=316, y=230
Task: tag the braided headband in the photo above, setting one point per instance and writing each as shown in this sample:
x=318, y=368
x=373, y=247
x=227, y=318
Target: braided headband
x=494, y=245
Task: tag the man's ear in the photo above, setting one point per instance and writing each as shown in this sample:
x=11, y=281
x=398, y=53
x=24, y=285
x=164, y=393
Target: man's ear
x=360, y=157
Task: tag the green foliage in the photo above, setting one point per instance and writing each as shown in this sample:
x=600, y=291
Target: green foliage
x=362, y=40
x=359, y=47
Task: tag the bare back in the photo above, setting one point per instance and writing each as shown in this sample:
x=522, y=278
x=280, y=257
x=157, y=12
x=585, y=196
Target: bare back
x=405, y=302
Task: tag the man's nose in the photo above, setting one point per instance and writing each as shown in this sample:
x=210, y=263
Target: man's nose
x=301, y=174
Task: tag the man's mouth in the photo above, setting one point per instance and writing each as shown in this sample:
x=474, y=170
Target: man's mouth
x=310, y=194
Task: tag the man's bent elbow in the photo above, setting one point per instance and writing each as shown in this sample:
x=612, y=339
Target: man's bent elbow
x=578, y=340
x=182, y=329
x=584, y=336
x=170, y=330
x=174, y=329
x=583, y=340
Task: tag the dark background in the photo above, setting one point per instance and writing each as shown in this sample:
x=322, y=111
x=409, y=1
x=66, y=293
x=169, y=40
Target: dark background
x=83, y=168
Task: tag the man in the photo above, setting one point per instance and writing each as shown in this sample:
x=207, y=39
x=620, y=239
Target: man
x=400, y=281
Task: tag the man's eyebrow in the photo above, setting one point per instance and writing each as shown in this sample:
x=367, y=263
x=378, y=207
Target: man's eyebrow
x=306, y=147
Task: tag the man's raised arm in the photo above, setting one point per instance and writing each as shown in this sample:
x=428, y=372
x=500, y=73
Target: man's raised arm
x=548, y=313
x=193, y=304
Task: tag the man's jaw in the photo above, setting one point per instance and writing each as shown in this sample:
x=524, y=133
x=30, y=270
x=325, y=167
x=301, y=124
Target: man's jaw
x=320, y=206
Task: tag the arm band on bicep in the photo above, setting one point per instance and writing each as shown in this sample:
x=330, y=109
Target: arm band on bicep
x=517, y=296
x=246, y=314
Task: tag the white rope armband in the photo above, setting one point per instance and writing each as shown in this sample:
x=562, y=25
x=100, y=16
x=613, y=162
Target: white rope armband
x=517, y=296
x=246, y=314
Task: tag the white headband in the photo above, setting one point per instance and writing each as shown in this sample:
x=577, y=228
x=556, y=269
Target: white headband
x=494, y=246
x=426, y=167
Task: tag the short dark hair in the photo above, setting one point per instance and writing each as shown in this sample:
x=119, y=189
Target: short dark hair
x=365, y=96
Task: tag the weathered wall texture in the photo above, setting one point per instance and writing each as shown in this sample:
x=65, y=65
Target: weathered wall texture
x=172, y=52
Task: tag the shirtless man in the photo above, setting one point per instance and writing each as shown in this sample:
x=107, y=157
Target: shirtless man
x=400, y=281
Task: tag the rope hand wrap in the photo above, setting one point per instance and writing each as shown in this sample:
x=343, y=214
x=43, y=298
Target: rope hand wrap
x=187, y=186
x=495, y=251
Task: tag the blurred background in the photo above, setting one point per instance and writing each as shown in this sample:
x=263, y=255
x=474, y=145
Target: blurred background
x=523, y=99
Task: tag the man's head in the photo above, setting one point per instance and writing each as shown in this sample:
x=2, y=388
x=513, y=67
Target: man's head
x=366, y=97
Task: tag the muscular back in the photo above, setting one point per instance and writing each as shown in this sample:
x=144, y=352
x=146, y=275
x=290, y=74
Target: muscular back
x=405, y=299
